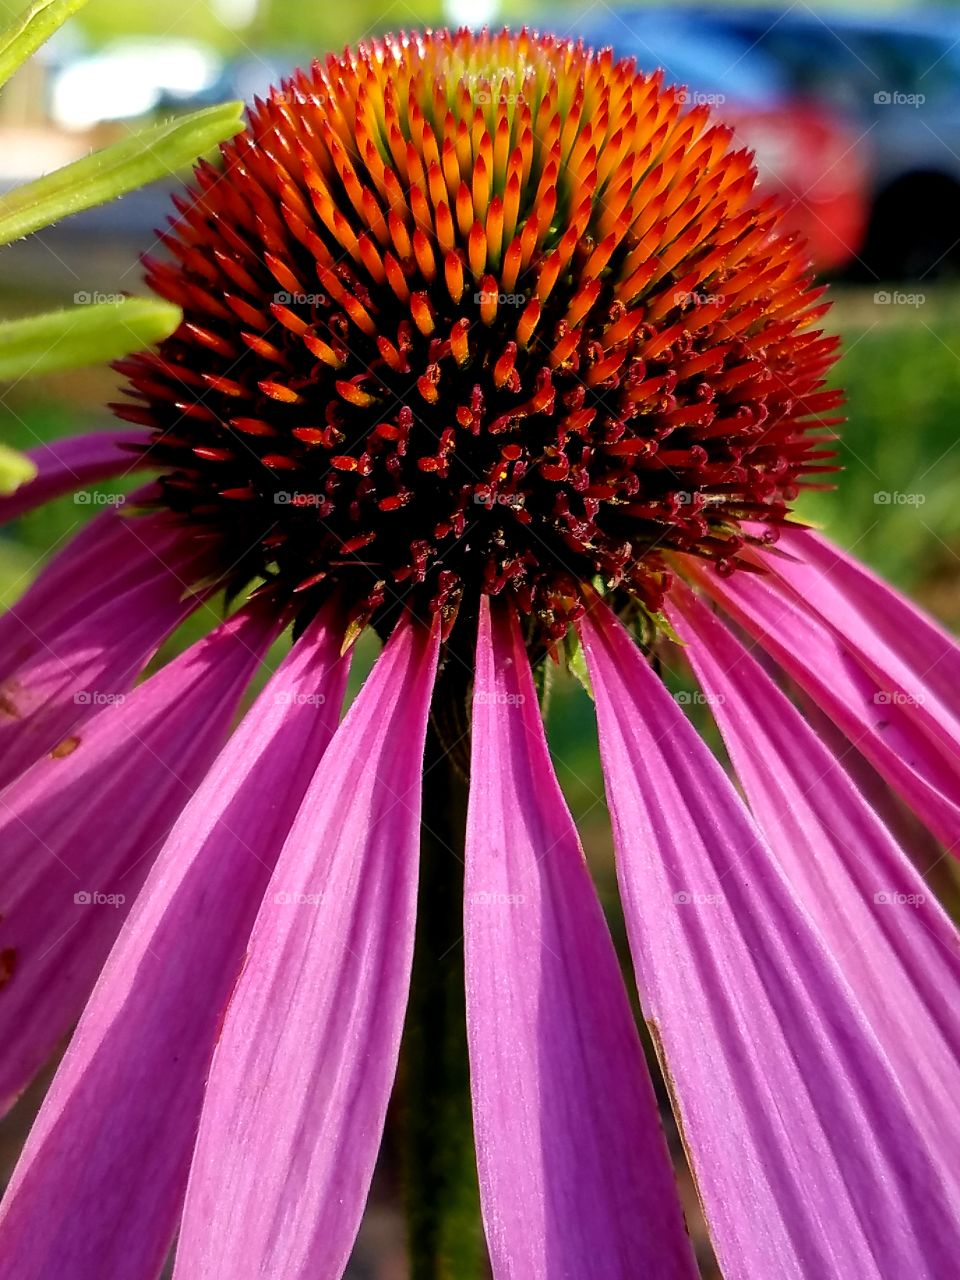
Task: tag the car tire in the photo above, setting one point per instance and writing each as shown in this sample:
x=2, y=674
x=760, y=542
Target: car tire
x=914, y=230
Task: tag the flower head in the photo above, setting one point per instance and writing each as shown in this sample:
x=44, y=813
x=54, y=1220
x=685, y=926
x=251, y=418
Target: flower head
x=485, y=333
x=481, y=314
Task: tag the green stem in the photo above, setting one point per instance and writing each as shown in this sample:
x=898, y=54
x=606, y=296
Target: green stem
x=438, y=1157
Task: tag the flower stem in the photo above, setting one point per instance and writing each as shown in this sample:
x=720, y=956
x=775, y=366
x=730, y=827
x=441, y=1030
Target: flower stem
x=442, y=1202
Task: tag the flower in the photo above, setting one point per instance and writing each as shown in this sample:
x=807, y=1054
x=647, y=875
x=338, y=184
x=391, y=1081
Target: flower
x=486, y=347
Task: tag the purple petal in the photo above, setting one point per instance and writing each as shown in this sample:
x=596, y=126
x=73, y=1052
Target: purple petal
x=897, y=948
x=64, y=466
x=808, y=1158
x=904, y=650
x=888, y=630
x=575, y=1178
x=124, y=1107
x=80, y=829
x=97, y=653
x=302, y=1073
x=879, y=725
x=82, y=574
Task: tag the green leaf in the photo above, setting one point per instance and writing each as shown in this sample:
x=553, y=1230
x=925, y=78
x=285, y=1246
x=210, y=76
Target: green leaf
x=576, y=662
x=16, y=469
x=17, y=566
x=83, y=335
x=151, y=153
x=665, y=627
x=27, y=33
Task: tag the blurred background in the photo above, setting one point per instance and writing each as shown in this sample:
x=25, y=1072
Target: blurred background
x=854, y=115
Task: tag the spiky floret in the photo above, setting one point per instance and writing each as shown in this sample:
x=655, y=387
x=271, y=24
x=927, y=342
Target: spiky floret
x=481, y=313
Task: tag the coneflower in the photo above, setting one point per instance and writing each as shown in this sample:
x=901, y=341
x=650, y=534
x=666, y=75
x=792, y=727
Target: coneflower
x=488, y=347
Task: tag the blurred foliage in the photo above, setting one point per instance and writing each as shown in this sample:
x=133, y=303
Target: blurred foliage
x=895, y=503
x=274, y=24
x=102, y=329
x=277, y=24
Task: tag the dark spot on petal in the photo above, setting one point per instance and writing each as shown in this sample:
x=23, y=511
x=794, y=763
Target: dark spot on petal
x=8, y=707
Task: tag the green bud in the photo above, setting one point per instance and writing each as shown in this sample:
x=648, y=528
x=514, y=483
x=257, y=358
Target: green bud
x=16, y=469
x=28, y=32
x=82, y=335
x=151, y=153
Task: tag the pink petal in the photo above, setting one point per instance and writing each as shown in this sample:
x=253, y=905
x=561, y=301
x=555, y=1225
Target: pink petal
x=897, y=948
x=302, y=1073
x=83, y=572
x=90, y=823
x=64, y=466
x=575, y=1178
x=908, y=655
x=808, y=1158
x=880, y=727
x=882, y=616
x=97, y=654
x=123, y=1109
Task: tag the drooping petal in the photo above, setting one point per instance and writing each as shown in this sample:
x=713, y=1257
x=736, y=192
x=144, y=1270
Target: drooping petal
x=64, y=466
x=300, y=1079
x=908, y=655
x=808, y=1158
x=896, y=947
x=99, y=655
x=879, y=725
x=124, y=1107
x=575, y=1177
x=826, y=577
x=924, y=849
x=79, y=831
x=83, y=573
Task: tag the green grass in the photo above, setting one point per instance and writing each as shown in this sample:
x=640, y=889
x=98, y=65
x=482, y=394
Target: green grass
x=896, y=502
